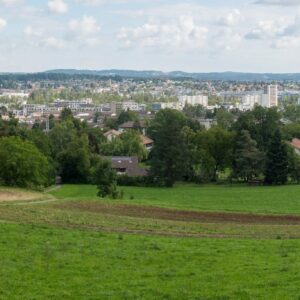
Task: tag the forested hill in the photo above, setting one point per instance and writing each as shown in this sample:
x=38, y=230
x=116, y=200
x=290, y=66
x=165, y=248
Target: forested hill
x=66, y=74
x=224, y=76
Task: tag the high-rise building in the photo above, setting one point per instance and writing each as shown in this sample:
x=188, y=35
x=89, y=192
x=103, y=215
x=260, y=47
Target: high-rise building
x=270, y=96
x=194, y=100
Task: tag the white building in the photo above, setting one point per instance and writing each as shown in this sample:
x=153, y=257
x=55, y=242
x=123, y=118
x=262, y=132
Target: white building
x=249, y=101
x=194, y=100
x=270, y=96
x=133, y=106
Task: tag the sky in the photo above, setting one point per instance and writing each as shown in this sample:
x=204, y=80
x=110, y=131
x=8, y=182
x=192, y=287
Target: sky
x=167, y=35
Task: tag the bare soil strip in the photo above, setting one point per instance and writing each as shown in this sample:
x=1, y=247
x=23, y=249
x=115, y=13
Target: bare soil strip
x=16, y=195
x=180, y=215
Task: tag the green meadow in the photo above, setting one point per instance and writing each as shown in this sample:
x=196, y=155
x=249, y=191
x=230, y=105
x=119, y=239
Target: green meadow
x=69, y=244
x=281, y=200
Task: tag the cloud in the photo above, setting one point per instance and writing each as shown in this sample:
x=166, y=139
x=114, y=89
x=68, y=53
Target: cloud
x=10, y=2
x=183, y=33
x=264, y=30
x=286, y=42
x=230, y=19
x=32, y=32
x=53, y=42
x=58, y=6
x=279, y=2
x=92, y=2
x=86, y=26
x=3, y=23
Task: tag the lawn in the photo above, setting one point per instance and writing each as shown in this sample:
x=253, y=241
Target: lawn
x=70, y=244
x=266, y=200
x=53, y=263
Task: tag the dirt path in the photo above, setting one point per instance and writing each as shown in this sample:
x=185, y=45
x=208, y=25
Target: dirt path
x=180, y=215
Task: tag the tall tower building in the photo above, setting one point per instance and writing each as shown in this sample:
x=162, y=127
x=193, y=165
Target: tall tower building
x=270, y=96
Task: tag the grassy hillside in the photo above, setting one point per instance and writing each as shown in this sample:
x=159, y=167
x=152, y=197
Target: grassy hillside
x=180, y=243
x=50, y=263
x=282, y=200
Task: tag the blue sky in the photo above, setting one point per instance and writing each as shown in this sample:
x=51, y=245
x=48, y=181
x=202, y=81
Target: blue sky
x=192, y=35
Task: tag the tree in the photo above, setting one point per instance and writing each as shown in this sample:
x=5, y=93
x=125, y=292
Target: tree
x=166, y=158
x=22, y=165
x=106, y=180
x=248, y=160
x=294, y=165
x=224, y=118
x=74, y=161
x=261, y=123
x=215, y=149
x=132, y=145
x=277, y=161
x=126, y=116
x=66, y=114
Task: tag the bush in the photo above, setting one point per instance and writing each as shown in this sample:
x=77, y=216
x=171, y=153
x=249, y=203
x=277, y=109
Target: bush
x=125, y=180
x=23, y=165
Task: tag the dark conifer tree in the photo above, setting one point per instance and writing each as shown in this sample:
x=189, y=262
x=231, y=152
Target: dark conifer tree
x=277, y=161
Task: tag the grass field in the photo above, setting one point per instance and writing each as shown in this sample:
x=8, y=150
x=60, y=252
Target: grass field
x=190, y=242
x=281, y=200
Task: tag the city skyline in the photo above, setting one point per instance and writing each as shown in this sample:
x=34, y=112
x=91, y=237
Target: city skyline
x=193, y=36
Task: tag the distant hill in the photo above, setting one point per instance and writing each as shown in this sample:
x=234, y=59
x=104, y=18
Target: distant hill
x=226, y=76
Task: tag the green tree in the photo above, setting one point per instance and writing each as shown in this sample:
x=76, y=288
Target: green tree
x=248, y=160
x=66, y=114
x=293, y=165
x=106, y=180
x=277, y=161
x=126, y=116
x=23, y=165
x=74, y=161
x=215, y=147
x=224, y=118
x=132, y=145
x=166, y=158
x=261, y=123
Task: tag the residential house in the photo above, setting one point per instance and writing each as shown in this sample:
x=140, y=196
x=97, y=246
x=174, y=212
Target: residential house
x=147, y=142
x=296, y=145
x=112, y=134
x=126, y=165
x=132, y=125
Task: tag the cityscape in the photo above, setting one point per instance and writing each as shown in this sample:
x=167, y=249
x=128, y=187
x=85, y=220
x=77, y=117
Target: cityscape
x=149, y=150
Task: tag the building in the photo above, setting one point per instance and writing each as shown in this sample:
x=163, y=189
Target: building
x=112, y=134
x=147, y=142
x=249, y=101
x=296, y=145
x=194, y=100
x=132, y=125
x=270, y=96
x=133, y=106
x=126, y=165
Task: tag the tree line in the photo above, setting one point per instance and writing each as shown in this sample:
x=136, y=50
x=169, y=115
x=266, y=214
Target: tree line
x=251, y=147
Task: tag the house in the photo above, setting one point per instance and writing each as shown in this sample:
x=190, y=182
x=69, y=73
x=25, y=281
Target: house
x=126, y=165
x=147, y=142
x=296, y=145
x=132, y=125
x=112, y=134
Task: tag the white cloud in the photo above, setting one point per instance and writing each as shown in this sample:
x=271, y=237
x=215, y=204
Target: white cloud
x=264, y=30
x=87, y=26
x=286, y=42
x=92, y=2
x=10, y=2
x=58, y=6
x=230, y=19
x=183, y=33
x=54, y=42
x=3, y=23
x=32, y=32
x=279, y=2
